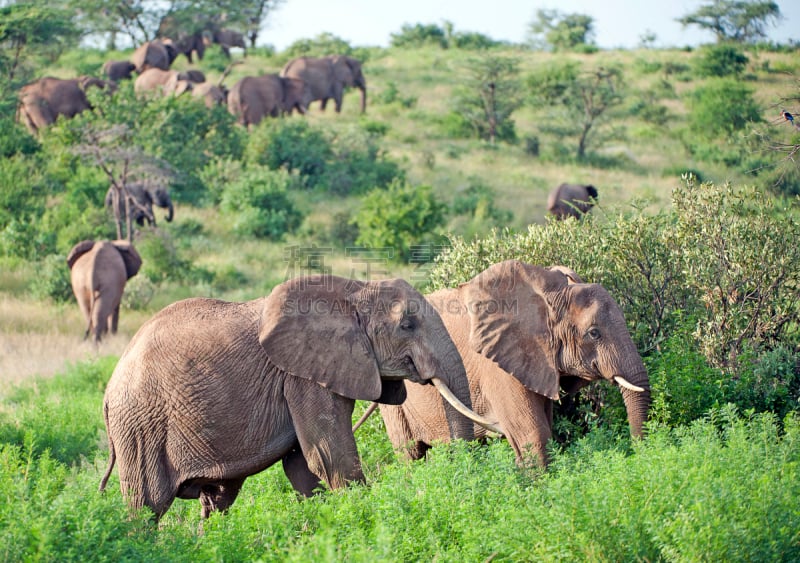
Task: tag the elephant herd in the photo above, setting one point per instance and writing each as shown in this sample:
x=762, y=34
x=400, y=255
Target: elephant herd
x=251, y=99
x=210, y=392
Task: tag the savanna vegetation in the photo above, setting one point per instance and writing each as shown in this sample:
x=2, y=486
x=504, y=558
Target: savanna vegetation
x=695, y=234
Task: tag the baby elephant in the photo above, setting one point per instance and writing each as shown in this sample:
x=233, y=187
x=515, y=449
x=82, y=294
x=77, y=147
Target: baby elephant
x=571, y=200
x=99, y=271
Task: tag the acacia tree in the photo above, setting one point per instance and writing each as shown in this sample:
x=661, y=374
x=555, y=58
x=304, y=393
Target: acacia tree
x=583, y=95
x=561, y=32
x=742, y=21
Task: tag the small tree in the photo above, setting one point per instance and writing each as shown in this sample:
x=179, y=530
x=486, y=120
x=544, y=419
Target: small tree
x=720, y=107
x=743, y=21
x=562, y=32
x=584, y=95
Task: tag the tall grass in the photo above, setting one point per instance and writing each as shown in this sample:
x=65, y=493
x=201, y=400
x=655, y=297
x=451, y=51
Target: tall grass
x=723, y=488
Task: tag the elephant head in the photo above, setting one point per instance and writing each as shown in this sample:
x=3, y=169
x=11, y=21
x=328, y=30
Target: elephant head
x=571, y=200
x=348, y=72
x=210, y=392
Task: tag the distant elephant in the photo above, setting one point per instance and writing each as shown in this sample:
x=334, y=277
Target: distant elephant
x=99, y=271
x=143, y=196
x=227, y=38
x=525, y=332
x=42, y=101
x=571, y=200
x=154, y=54
x=209, y=392
x=164, y=82
x=118, y=70
x=193, y=75
x=328, y=77
x=253, y=98
x=186, y=44
x=211, y=94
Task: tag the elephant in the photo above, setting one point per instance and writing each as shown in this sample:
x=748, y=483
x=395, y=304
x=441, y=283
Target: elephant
x=154, y=54
x=210, y=392
x=42, y=101
x=143, y=197
x=328, y=77
x=523, y=331
x=118, y=70
x=166, y=82
x=211, y=94
x=186, y=44
x=227, y=38
x=99, y=271
x=253, y=98
x=193, y=75
x=571, y=200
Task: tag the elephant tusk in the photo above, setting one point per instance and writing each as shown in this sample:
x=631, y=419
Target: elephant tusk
x=445, y=391
x=627, y=384
x=365, y=416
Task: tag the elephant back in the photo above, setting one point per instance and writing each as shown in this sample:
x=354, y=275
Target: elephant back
x=79, y=250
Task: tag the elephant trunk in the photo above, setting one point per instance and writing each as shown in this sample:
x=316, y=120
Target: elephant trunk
x=637, y=403
x=170, y=211
x=363, y=89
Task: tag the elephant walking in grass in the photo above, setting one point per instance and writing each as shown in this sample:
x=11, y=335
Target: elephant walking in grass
x=571, y=200
x=210, y=392
x=41, y=102
x=118, y=70
x=525, y=333
x=154, y=54
x=143, y=197
x=253, y=98
x=99, y=271
x=328, y=77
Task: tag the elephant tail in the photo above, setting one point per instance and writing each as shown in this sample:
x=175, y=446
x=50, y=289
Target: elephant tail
x=112, y=454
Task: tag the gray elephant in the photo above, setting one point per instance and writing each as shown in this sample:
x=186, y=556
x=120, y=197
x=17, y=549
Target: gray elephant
x=99, y=271
x=211, y=94
x=328, y=77
x=571, y=200
x=253, y=98
x=227, y=38
x=143, y=197
x=186, y=44
x=209, y=392
x=164, y=82
x=41, y=102
x=154, y=54
x=525, y=333
x=118, y=70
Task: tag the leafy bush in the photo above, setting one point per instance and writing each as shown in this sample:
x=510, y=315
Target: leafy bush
x=161, y=260
x=322, y=45
x=720, y=60
x=259, y=200
x=52, y=280
x=15, y=139
x=399, y=218
x=720, y=107
x=418, y=35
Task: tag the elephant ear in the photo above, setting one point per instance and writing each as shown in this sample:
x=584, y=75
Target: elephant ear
x=311, y=328
x=79, y=250
x=509, y=307
x=591, y=191
x=129, y=255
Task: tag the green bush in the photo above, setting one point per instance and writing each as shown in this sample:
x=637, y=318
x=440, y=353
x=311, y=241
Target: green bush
x=161, y=260
x=399, y=218
x=15, y=139
x=418, y=35
x=720, y=107
x=292, y=144
x=720, y=60
x=260, y=203
x=52, y=280
x=322, y=45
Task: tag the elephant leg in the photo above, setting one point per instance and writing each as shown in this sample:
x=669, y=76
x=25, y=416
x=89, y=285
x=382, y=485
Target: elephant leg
x=99, y=323
x=300, y=476
x=114, y=320
x=323, y=424
x=219, y=495
x=322, y=103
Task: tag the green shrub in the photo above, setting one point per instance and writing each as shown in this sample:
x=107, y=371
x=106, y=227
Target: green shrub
x=399, y=218
x=52, y=280
x=418, y=35
x=720, y=107
x=720, y=60
x=292, y=144
x=322, y=45
x=161, y=260
x=15, y=139
x=139, y=291
x=260, y=202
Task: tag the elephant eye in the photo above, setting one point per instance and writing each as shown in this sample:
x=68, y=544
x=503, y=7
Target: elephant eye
x=593, y=333
x=407, y=324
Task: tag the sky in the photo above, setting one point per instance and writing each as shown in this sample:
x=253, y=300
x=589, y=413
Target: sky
x=618, y=23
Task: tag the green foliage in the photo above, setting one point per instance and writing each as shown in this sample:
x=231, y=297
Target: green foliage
x=720, y=107
x=418, y=35
x=721, y=60
x=52, y=281
x=399, y=218
x=260, y=203
x=162, y=261
x=562, y=32
x=740, y=21
x=476, y=203
x=320, y=46
x=15, y=139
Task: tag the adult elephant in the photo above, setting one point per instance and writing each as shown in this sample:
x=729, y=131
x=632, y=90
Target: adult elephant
x=524, y=332
x=187, y=44
x=227, y=38
x=41, y=102
x=571, y=200
x=166, y=82
x=154, y=54
x=211, y=94
x=118, y=70
x=253, y=98
x=210, y=392
x=143, y=197
x=328, y=77
x=99, y=271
